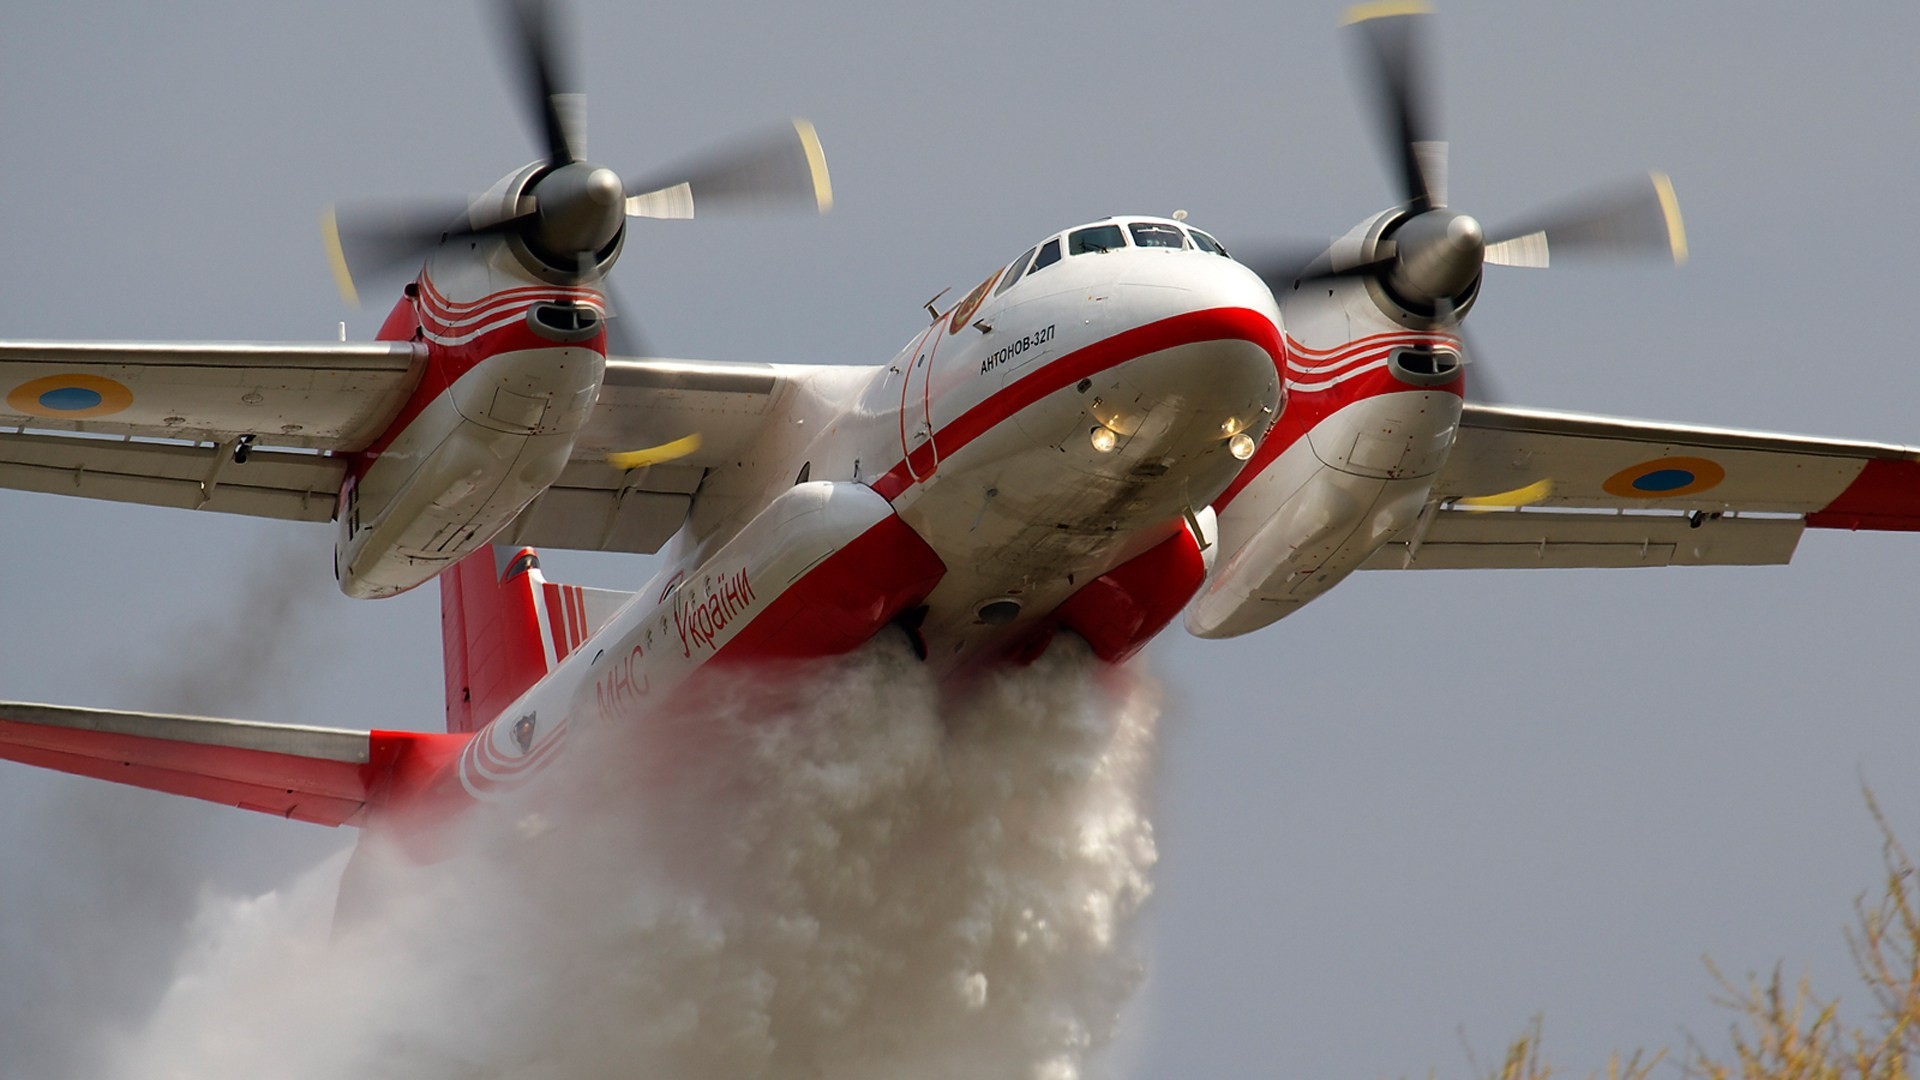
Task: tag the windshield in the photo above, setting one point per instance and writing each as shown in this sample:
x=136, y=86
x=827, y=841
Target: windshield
x=1207, y=243
x=1014, y=270
x=1099, y=239
x=1154, y=234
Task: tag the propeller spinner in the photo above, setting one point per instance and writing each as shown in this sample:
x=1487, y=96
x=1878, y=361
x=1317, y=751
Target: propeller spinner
x=567, y=218
x=1428, y=258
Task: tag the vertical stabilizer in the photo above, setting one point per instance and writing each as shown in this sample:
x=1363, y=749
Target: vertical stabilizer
x=503, y=626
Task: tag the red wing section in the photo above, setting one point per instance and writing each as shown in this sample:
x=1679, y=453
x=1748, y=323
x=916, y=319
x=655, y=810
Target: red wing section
x=322, y=775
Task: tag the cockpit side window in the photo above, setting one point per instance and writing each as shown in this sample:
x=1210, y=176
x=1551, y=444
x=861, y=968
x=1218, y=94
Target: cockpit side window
x=1207, y=243
x=1049, y=254
x=1014, y=270
x=1097, y=238
x=1154, y=234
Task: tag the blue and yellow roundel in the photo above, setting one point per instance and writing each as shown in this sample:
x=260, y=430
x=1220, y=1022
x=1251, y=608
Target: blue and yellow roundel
x=1665, y=478
x=69, y=397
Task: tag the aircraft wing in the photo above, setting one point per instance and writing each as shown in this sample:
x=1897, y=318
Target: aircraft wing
x=649, y=403
x=158, y=423
x=1538, y=488
x=322, y=775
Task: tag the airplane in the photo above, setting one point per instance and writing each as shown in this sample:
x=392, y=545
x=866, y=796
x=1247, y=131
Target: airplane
x=1043, y=457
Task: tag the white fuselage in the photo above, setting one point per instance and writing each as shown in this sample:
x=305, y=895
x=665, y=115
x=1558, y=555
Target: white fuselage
x=980, y=430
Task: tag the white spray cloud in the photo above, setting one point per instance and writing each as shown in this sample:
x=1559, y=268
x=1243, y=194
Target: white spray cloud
x=96, y=887
x=850, y=873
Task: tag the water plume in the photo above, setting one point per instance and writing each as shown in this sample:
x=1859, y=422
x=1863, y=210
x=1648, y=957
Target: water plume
x=849, y=872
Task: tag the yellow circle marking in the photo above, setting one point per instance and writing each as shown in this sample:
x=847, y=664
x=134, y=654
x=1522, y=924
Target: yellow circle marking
x=69, y=397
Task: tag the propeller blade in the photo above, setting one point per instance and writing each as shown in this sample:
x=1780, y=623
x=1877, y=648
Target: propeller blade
x=1520, y=496
x=1291, y=265
x=655, y=455
x=375, y=240
x=762, y=173
x=560, y=114
x=623, y=334
x=1481, y=387
x=1393, y=33
x=1637, y=218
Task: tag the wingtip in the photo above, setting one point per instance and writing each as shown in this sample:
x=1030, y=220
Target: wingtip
x=1670, y=208
x=816, y=164
x=337, y=258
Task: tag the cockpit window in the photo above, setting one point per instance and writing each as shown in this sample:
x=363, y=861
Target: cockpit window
x=1207, y=243
x=1153, y=234
x=1049, y=254
x=1098, y=238
x=1014, y=270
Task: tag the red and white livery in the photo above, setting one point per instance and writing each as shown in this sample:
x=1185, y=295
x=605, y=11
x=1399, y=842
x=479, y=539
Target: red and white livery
x=1123, y=425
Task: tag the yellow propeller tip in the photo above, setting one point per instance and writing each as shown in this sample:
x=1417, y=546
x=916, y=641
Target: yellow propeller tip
x=1521, y=496
x=1670, y=208
x=1384, y=9
x=816, y=164
x=337, y=258
x=655, y=455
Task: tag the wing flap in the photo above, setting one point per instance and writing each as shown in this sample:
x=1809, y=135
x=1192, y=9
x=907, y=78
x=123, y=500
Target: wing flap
x=1546, y=539
x=596, y=507
x=325, y=395
x=323, y=775
x=275, y=484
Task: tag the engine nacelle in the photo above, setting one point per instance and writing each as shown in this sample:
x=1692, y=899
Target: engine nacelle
x=1374, y=401
x=511, y=379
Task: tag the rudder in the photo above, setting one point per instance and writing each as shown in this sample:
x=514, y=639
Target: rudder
x=503, y=627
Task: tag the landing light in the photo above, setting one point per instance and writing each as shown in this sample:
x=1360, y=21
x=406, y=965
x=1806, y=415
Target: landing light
x=1104, y=439
x=1241, y=446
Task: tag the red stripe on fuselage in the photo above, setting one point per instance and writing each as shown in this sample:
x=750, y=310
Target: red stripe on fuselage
x=1194, y=327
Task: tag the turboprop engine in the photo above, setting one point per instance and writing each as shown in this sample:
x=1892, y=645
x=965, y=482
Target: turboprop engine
x=510, y=316
x=1376, y=365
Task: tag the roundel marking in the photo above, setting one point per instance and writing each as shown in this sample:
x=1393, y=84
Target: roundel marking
x=1665, y=478
x=69, y=397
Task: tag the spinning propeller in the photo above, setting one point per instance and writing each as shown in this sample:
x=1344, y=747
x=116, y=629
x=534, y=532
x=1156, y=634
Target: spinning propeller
x=567, y=219
x=1428, y=258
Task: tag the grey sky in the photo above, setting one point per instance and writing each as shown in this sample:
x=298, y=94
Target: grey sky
x=1429, y=802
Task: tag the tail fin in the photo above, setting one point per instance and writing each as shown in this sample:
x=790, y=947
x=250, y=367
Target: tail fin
x=503, y=627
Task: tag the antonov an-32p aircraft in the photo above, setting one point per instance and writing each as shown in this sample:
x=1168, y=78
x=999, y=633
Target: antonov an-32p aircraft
x=1123, y=425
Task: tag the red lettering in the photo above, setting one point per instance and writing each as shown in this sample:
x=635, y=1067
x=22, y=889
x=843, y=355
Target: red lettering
x=646, y=681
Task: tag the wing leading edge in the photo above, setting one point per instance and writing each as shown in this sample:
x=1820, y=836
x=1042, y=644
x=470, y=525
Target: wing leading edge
x=1538, y=488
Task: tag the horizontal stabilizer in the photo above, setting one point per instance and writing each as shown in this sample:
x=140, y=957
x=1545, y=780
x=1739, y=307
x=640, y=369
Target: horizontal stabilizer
x=323, y=775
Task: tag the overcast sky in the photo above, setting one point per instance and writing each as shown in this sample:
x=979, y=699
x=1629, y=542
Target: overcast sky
x=1429, y=804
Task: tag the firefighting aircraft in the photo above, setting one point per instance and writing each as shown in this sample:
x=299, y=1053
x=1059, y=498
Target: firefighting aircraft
x=1123, y=424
